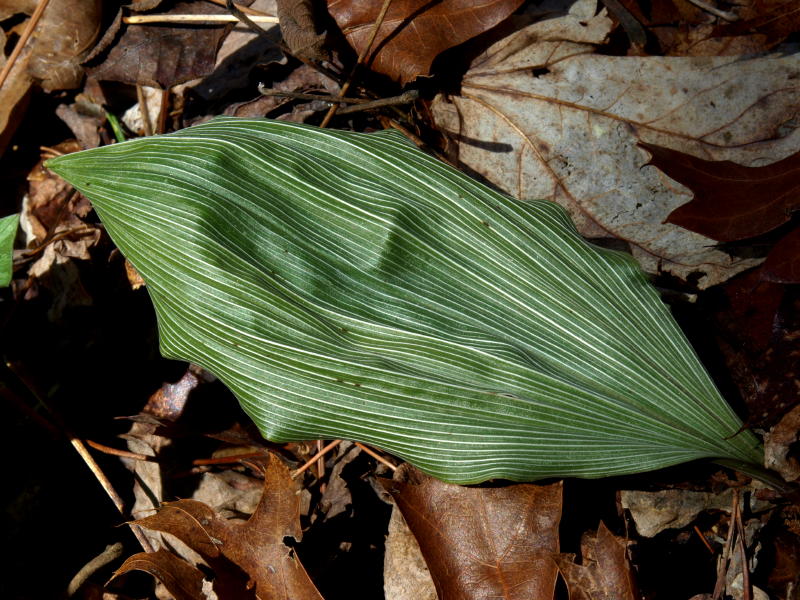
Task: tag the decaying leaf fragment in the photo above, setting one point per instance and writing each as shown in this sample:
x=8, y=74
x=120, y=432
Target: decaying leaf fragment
x=605, y=572
x=347, y=285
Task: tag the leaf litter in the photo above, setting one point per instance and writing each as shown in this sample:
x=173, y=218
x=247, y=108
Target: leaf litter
x=542, y=115
x=568, y=58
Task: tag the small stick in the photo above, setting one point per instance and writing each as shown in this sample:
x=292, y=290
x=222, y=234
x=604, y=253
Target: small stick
x=50, y=151
x=234, y=10
x=362, y=55
x=84, y=454
x=110, y=554
x=115, y=452
x=264, y=91
x=403, y=98
x=161, y=126
x=376, y=456
x=723, y=560
x=722, y=14
x=747, y=590
x=703, y=539
x=23, y=39
x=148, y=127
x=98, y=473
x=316, y=457
x=142, y=19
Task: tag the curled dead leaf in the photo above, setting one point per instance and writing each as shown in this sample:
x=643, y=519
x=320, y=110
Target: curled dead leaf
x=415, y=32
x=181, y=579
x=64, y=38
x=248, y=559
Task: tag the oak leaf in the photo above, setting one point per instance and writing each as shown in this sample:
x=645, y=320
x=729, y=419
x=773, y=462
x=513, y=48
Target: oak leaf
x=414, y=32
x=492, y=542
x=248, y=559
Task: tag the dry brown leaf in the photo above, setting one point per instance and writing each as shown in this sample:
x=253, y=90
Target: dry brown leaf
x=14, y=94
x=542, y=116
x=482, y=542
x=181, y=579
x=299, y=22
x=414, y=32
x=158, y=55
x=52, y=219
x=251, y=557
x=605, y=573
x=63, y=39
x=778, y=444
x=653, y=512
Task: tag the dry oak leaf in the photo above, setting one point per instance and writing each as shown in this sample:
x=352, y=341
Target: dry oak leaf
x=181, y=579
x=248, y=559
x=482, y=542
x=415, y=32
x=541, y=115
x=733, y=202
x=605, y=573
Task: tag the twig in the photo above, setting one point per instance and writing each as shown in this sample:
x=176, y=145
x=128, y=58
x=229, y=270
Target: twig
x=115, y=452
x=747, y=591
x=359, y=104
x=234, y=10
x=142, y=19
x=23, y=39
x=80, y=448
x=161, y=126
x=703, y=539
x=27, y=255
x=362, y=55
x=265, y=91
x=316, y=457
x=403, y=98
x=50, y=151
x=722, y=14
x=143, y=110
x=110, y=554
x=376, y=456
x=320, y=466
x=722, y=563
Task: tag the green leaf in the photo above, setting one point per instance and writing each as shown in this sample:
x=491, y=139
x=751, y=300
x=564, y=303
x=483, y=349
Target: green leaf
x=8, y=231
x=347, y=285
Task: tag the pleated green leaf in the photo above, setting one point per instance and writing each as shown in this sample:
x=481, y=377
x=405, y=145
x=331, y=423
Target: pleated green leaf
x=8, y=231
x=347, y=285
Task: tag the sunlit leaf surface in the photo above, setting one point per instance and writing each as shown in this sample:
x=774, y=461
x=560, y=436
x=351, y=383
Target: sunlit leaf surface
x=347, y=285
